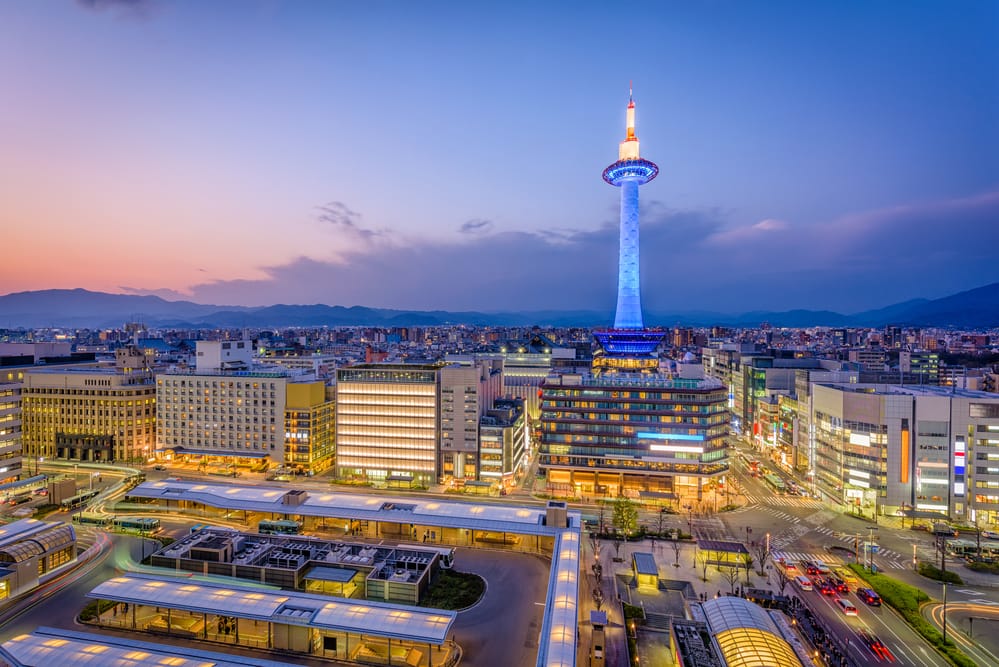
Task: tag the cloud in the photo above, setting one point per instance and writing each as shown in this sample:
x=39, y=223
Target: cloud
x=476, y=226
x=743, y=234
x=131, y=8
x=344, y=220
x=162, y=292
x=691, y=260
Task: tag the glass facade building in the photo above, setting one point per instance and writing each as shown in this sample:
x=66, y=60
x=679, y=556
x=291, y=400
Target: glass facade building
x=387, y=422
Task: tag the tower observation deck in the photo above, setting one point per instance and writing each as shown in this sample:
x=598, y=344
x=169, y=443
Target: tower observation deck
x=629, y=337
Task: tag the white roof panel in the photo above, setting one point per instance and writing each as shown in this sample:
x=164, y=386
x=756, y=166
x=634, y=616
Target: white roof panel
x=289, y=607
x=425, y=511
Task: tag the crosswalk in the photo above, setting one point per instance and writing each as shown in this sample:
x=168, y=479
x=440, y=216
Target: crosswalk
x=828, y=558
x=888, y=556
x=783, y=501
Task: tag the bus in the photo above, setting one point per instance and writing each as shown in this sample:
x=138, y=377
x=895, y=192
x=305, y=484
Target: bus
x=280, y=527
x=79, y=500
x=775, y=483
x=445, y=554
x=91, y=519
x=138, y=525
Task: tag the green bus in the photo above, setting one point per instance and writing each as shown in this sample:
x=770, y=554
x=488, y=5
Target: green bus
x=775, y=483
x=143, y=525
x=280, y=527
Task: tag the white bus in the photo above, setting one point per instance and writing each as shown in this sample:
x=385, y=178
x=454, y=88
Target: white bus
x=445, y=554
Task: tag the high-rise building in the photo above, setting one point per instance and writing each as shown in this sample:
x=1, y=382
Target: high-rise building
x=467, y=391
x=90, y=413
x=387, y=423
x=503, y=442
x=626, y=427
x=309, y=427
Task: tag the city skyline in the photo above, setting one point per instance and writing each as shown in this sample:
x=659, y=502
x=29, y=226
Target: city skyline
x=834, y=156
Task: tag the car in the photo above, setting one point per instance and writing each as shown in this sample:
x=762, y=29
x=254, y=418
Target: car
x=159, y=467
x=826, y=587
x=869, y=597
x=876, y=645
x=789, y=566
x=41, y=492
x=821, y=566
x=839, y=585
x=990, y=535
x=846, y=606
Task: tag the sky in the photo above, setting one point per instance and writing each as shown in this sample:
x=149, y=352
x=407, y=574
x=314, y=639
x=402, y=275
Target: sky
x=447, y=155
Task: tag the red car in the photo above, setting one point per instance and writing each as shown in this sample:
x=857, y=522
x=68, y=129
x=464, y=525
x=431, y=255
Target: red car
x=839, y=585
x=826, y=587
x=877, y=646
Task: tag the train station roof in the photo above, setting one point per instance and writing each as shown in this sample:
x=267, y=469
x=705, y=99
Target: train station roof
x=746, y=634
x=485, y=516
x=54, y=646
x=379, y=619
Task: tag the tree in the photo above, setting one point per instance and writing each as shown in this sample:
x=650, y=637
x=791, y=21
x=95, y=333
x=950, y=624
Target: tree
x=731, y=575
x=703, y=559
x=783, y=579
x=598, y=598
x=617, y=548
x=762, y=554
x=747, y=562
x=625, y=518
x=603, y=506
x=675, y=544
x=598, y=572
x=661, y=520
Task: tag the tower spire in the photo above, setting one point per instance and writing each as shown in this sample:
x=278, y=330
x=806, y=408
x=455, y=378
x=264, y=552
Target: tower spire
x=628, y=150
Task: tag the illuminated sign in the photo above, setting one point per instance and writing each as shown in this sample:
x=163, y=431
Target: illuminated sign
x=676, y=448
x=669, y=436
x=863, y=439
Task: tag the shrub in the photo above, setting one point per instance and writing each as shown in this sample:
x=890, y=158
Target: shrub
x=94, y=608
x=931, y=571
x=982, y=566
x=454, y=590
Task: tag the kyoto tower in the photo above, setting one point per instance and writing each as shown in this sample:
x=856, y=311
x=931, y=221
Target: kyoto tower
x=629, y=339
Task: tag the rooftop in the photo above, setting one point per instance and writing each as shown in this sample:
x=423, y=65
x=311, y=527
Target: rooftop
x=286, y=607
x=51, y=646
x=428, y=512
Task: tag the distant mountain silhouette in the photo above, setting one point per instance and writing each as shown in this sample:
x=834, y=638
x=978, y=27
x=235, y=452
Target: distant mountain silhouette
x=81, y=308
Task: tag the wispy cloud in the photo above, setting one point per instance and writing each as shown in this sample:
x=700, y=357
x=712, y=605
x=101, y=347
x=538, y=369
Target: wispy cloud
x=476, y=226
x=129, y=8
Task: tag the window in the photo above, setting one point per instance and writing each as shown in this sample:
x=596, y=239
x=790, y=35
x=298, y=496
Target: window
x=984, y=410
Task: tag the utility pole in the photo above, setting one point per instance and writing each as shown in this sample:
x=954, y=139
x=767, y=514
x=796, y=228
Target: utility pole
x=945, y=613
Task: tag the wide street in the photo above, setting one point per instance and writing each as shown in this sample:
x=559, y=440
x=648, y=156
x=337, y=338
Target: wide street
x=801, y=528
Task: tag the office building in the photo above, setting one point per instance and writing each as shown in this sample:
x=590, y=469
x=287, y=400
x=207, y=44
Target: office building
x=888, y=448
x=503, y=442
x=387, y=423
x=91, y=413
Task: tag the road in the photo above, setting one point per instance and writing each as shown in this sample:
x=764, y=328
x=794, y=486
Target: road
x=802, y=528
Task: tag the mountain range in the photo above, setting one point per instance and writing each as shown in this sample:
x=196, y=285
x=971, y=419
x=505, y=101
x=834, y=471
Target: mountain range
x=80, y=308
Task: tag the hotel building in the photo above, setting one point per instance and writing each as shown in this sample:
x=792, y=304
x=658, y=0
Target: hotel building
x=610, y=434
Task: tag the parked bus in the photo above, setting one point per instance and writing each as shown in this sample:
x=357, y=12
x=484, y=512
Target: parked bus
x=138, y=525
x=775, y=483
x=445, y=554
x=79, y=500
x=280, y=527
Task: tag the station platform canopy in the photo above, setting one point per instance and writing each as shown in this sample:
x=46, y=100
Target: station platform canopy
x=375, y=619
